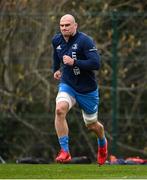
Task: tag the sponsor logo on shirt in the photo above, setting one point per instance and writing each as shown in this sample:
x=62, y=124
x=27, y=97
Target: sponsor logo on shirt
x=93, y=49
x=76, y=69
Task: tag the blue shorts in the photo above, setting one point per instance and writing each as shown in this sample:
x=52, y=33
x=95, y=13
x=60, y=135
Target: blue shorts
x=88, y=102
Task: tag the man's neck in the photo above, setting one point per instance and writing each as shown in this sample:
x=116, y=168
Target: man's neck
x=68, y=37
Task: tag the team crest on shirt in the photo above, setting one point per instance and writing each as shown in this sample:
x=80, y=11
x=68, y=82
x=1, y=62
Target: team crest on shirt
x=75, y=46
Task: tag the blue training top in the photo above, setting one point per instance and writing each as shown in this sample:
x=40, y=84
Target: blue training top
x=82, y=49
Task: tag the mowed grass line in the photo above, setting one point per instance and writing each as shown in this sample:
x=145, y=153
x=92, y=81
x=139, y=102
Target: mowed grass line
x=71, y=171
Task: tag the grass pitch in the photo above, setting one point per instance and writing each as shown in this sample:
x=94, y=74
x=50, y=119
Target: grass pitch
x=72, y=171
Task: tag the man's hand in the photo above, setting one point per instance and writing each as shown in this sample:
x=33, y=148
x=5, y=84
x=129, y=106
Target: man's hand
x=68, y=60
x=57, y=75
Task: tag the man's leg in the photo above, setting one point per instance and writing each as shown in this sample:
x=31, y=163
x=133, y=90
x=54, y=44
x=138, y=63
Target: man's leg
x=89, y=104
x=61, y=127
x=95, y=126
x=60, y=119
x=98, y=129
x=63, y=103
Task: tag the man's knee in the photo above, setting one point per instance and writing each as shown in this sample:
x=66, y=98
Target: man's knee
x=59, y=111
x=95, y=126
x=61, y=108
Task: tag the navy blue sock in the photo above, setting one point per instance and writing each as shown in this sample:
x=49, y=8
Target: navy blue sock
x=102, y=142
x=63, y=141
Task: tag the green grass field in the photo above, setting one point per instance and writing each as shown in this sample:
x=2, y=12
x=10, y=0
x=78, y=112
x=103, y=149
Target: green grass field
x=72, y=171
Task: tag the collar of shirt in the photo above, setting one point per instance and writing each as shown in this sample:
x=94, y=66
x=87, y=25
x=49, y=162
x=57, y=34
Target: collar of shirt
x=71, y=38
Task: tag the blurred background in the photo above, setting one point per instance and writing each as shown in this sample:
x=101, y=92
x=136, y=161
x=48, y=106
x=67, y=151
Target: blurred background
x=28, y=90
